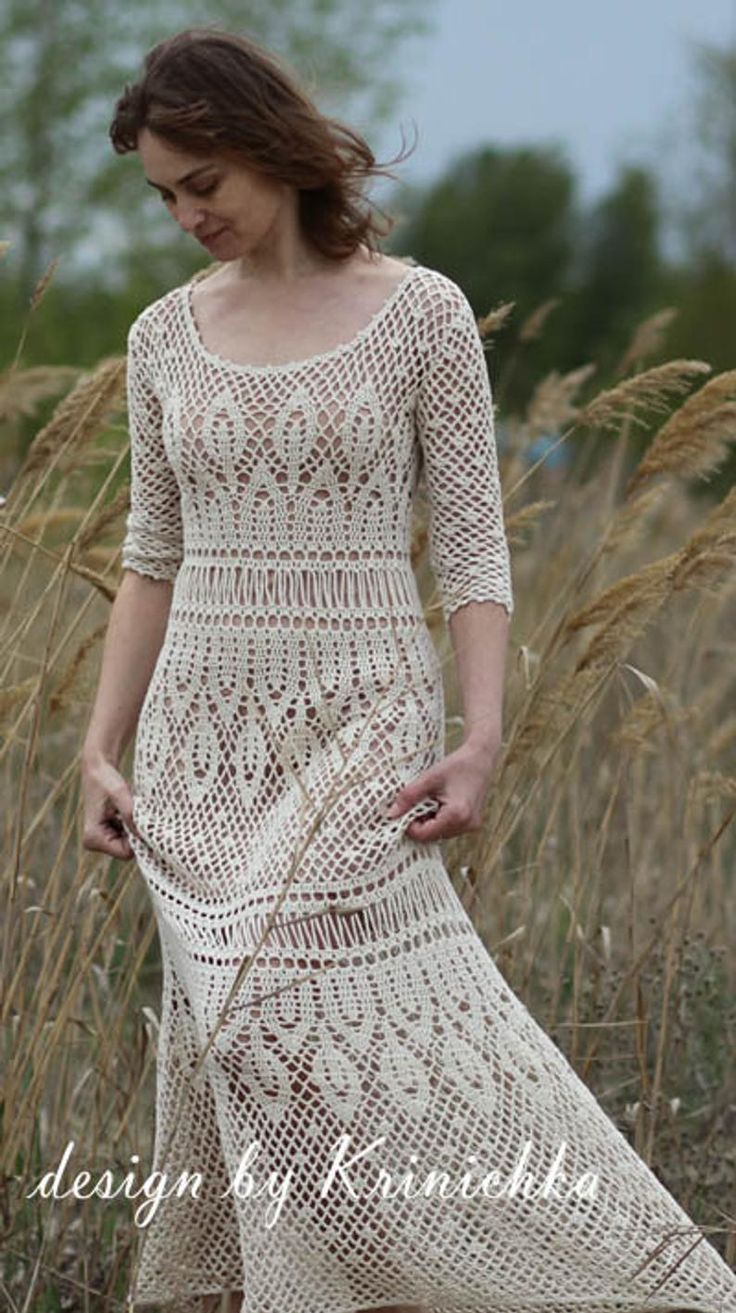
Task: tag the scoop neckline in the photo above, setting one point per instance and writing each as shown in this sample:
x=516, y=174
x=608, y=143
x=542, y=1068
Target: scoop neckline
x=288, y=365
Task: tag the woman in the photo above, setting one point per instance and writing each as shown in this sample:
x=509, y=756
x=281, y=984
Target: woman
x=333, y=1030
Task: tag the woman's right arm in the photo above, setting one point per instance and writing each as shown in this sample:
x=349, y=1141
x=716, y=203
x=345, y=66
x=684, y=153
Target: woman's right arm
x=151, y=555
x=133, y=641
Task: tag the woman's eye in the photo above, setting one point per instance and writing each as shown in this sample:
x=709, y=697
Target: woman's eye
x=203, y=191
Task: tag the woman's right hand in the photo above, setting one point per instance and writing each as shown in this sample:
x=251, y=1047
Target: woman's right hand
x=108, y=802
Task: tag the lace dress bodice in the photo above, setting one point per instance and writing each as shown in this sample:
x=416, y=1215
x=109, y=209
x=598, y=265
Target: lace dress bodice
x=296, y=480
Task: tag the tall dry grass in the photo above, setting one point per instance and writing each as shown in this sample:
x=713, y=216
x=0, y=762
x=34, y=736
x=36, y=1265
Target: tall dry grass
x=602, y=881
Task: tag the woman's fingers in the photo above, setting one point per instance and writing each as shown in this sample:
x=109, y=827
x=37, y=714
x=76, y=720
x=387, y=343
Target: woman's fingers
x=449, y=821
x=108, y=812
x=106, y=837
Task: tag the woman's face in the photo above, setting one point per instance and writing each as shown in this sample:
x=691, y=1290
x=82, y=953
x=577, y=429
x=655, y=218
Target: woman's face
x=227, y=207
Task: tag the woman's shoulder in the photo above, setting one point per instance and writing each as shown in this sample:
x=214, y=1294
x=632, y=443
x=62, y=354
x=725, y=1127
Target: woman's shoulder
x=440, y=304
x=155, y=319
x=440, y=289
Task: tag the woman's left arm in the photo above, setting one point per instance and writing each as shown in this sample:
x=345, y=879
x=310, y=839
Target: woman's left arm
x=460, y=781
x=469, y=555
x=479, y=633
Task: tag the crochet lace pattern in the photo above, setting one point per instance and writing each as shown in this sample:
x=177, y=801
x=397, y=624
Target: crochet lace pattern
x=297, y=688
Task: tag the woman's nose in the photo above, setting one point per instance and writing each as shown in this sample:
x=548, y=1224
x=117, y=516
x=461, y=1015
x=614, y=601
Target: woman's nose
x=188, y=218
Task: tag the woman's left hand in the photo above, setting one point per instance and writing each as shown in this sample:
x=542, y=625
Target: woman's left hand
x=459, y=783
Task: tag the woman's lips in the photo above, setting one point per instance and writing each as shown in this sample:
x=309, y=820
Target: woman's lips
x=213, y=236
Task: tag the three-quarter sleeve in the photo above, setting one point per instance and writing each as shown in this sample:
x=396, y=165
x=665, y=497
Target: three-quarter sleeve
x=153, y=539
x=468, y=548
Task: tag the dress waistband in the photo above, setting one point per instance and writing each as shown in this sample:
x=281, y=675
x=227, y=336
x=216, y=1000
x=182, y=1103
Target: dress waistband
x=212, y=583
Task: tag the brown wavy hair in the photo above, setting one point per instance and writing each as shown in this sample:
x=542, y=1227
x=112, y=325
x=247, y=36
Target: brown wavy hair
x=205, y=90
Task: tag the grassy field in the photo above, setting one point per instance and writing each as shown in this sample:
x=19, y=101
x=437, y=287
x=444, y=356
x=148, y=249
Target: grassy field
x=602, y=881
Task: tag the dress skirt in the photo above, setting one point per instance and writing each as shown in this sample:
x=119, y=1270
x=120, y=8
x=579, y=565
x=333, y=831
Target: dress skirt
x=376, y=1114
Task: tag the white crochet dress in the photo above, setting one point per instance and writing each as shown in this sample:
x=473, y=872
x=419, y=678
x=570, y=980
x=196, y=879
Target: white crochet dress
x=296, y=690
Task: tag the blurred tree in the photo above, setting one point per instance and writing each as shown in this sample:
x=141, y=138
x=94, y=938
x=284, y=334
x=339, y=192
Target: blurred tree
x=498, y=222
x=617, y=279
x=699, y=177
x=704, y=293
x=708, y=206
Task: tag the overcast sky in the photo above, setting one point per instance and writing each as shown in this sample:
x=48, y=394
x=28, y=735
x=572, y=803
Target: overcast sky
x=603, y=79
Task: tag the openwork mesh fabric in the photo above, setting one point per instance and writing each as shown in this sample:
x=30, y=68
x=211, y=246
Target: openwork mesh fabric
x=333, y=1031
